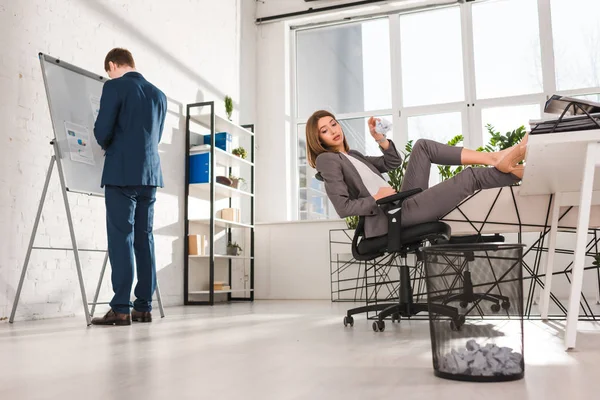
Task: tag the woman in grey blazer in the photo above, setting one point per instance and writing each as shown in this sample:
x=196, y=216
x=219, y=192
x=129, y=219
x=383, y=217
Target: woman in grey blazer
x=353, y=182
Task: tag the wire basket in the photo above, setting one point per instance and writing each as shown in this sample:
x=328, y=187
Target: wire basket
x=484, y=284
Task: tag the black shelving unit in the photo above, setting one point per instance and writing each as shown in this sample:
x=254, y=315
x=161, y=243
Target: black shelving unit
x=210, y=124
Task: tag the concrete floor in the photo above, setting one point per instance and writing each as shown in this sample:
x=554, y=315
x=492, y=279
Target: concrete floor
x=270, y=350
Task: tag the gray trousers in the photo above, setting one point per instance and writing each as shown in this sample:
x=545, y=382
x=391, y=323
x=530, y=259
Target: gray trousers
x=435, y=202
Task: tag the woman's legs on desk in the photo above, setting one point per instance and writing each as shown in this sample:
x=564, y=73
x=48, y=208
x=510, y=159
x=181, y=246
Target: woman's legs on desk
x=435, y=202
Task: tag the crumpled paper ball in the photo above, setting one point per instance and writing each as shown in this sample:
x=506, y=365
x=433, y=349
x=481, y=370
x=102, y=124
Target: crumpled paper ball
x=382, y=126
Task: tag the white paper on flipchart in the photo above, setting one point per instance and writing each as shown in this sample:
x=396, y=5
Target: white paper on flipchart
x=78, y=138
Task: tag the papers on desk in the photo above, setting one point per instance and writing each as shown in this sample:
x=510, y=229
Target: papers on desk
x=574, y=115
x=557, y=104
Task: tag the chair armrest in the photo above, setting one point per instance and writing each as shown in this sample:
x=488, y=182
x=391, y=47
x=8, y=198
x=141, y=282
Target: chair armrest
x=400, y=196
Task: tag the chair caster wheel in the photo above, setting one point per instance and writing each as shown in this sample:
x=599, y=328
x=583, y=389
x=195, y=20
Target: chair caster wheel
x=463, y=304
x=378, y=326
x=456, y=325
x=348, y=321
x=396, y=318
x=495, y=307
x=506, y=305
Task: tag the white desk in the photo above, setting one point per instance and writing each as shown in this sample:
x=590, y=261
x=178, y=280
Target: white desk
x=563, y=164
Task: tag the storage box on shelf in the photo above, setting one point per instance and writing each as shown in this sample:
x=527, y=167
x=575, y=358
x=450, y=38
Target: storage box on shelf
x=219, y=206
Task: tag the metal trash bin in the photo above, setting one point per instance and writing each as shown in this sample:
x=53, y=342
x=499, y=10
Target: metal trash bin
x=484, y=283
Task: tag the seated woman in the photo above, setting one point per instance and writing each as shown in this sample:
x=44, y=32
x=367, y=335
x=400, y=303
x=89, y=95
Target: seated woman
x=353, y=182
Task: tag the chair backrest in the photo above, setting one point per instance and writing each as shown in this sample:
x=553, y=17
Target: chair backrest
x=359, y=236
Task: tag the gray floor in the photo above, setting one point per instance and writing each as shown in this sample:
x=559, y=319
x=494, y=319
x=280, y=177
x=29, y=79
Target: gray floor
x=270, y=350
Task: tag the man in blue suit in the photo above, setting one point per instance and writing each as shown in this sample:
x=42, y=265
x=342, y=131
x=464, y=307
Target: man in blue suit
x=129, y=127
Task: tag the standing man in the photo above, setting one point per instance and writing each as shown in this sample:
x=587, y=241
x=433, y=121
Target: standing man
x=129, y=127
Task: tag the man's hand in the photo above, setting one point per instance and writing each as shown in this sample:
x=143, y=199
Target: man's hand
x=384, y=192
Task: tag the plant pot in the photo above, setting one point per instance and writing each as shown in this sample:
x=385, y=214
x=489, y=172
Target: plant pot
x=232, y=251
x=234, y=183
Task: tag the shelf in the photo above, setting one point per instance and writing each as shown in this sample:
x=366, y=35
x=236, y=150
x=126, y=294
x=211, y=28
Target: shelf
x=202, y=190
x=225, y=257
x=221, y=291
x=222, y=223
x=221, y=124
x=225, y=158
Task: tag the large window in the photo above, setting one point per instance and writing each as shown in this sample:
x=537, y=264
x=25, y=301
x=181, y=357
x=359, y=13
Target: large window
x=506, y=48
x=344, y=69
x=576, y=34
x=437, y=78
x=432, y=65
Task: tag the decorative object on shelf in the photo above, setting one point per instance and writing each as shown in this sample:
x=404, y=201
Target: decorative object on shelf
x=233, y=249
x=240, y=152
x=197, y=245
x=230, y=214
x=235, y=181
x=199, y=148
x=223, y=180
x=221, y=286
x=222, y=140
x=596, y=260
x=199, y=168
x=228, y=107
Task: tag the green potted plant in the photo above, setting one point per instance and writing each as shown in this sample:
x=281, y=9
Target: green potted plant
x=228, y=107
x=235, y=181
x=240, y=152
x=233, y=249
x=498, y=141
x=351, y=222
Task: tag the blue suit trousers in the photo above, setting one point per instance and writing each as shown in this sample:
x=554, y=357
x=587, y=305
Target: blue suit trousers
x=129, y=220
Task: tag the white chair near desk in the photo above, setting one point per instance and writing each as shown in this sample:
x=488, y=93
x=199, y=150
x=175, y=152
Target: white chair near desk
x=563, y=165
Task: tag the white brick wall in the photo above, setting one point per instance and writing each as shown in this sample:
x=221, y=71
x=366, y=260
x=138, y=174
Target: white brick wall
x=188, y=48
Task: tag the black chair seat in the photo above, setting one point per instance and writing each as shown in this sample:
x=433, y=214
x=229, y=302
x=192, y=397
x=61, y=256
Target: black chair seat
x=408, y=236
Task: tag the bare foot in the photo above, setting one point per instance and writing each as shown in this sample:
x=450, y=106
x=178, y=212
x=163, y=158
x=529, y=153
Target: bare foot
x=497, y=156
x=511, y=158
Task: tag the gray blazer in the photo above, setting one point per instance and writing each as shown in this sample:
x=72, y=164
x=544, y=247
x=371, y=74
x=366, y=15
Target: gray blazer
x=346, y=190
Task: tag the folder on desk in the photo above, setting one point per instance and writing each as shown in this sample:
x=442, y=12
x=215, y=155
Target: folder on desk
x=575, y=115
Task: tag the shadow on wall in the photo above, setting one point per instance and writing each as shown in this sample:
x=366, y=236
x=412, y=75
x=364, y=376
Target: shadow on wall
x=160, y=51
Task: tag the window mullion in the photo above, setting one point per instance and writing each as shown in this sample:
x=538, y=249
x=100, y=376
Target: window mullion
x=473, y=112
x=399, y=120
x=547, y=47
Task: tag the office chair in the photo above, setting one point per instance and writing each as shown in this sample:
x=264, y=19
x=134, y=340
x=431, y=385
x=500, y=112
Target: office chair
x=399, y=243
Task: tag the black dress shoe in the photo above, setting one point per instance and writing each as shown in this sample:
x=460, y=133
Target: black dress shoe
x=141, y=316
x=112, y=318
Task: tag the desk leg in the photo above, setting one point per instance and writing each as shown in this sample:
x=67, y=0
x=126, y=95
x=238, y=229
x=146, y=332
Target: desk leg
x=545, y=300
x=583, y=221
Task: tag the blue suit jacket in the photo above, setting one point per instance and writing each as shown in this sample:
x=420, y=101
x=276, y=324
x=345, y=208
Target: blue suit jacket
x=129, y=127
